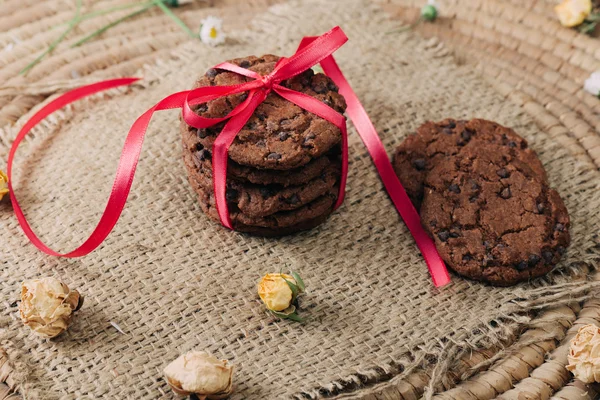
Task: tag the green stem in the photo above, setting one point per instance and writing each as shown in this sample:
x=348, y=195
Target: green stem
x=406, y=28
x=53, y=45
x=107, y=11
x=108, y=26
x=166, y=10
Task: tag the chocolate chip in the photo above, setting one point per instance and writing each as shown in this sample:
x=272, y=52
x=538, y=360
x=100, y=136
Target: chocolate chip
x=306, y=143
x=512, y=144
x=211, y=73
x=274, y=156
x=202, y=133
x=199, y=146
x=261, y=143
x=503, y=173
x=419, y=164
x=540, y=207
x=505, y=193
x=533, y=259
x=285, y=122
x=231, y=195
x=466, y=135
x=266, y=192
x=548, y=255
x=451, y=125
x=332, y=86
x=475, y=186
x=283, y=136
x=454, y=188
x=245, y=64
x=244, y=96
x=561, y=250
x=320, y=89
x=293, y=200
x=261, y=116
x=487, y=245
x=204, y=155
x=454, y=234
x=467, y=257
x=448, y=131
x=473, y=199
x=202, y=108
x=559, y=227
x=444, y=235
x=521, y=266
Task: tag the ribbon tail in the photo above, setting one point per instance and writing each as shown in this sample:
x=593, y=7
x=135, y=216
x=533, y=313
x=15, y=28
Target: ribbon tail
x=125, y=171
x=370, y=138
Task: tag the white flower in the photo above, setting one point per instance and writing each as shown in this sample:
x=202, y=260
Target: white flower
x=592, y=84
x=211, y=31
x=47, y=306
x=200, y=373
x=584, y=354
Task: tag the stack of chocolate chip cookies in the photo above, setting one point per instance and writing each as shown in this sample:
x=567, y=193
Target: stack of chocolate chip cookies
x=484, y=198
x=284, y=166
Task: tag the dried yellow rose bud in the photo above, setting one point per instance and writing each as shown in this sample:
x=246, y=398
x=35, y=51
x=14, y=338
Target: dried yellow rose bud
x=275, y=292
x=3, y=185
x=199, y=373
x=279, y=293
x=584, y=354
x=47, y=306
x=573, y=12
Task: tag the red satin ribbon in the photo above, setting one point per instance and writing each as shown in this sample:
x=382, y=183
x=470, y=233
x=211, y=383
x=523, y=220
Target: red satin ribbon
x=311, y=51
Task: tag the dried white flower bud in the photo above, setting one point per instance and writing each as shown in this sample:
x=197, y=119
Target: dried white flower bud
x=199, y=373
x=47, y=306
x=584, y=354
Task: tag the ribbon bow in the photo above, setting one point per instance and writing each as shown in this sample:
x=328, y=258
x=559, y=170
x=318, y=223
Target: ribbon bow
x=312, y=51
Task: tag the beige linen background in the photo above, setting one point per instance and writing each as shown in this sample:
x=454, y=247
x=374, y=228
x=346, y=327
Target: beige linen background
x=175, y=281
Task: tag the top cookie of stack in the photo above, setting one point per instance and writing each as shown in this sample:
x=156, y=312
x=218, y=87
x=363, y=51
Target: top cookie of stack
x=484, y=198
x=284, y=165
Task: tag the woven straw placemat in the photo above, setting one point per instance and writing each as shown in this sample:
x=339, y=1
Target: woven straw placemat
x=175, y=281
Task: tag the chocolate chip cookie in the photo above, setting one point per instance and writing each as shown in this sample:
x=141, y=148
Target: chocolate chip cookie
x=434, y=142
x=263, y=200
x=243, y=173
x=493, y=217
x=279, y=135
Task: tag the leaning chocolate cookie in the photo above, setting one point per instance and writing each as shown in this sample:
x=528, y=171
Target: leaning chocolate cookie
x=434, y=141
x=279, y=135
x=492, y=217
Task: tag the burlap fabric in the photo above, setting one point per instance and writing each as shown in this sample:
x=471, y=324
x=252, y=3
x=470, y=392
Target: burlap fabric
x=175, y=281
